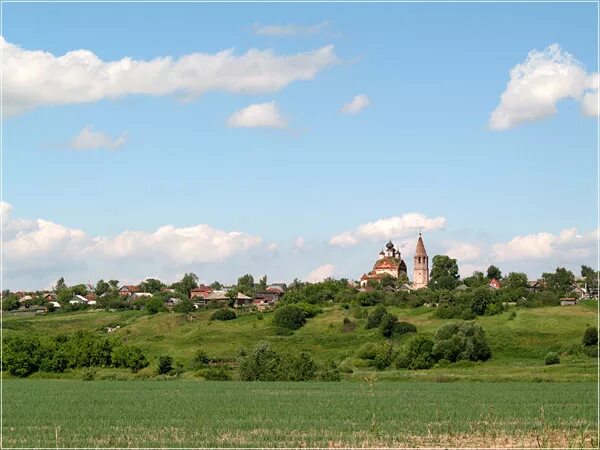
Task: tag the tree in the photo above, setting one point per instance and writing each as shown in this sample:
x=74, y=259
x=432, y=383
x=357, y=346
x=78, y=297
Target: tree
x=591, y=279
x=493, y=272
x=444, y=273
x=245, y=284
x=9, y=302
x=151, y=285
x=114, y=285
x=223, y=314
x=216, y=286
x=262, y=364
x=102, y=287
x=515, y=280
x=289, y=316
x=262, y=284
x=186, y=284
x=590, y=337
x=155, y=304
x=478, y=279
x=165, y=364
x=185, y=306
x=60, y=285
x=561, y=280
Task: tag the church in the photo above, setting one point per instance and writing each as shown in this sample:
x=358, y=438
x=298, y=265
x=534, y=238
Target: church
x=390, y=263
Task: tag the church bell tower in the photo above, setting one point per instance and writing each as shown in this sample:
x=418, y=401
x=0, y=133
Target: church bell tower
x=421, y=266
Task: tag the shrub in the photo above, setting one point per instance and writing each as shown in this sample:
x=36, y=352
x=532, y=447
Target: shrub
x=21, y=355
x=216, y=374
x=281, y=331
x=89, y=374
x=383, y=357
x=296, y=367
x=165, y=364
x=309, y=309
x=456, y=341
x=200, y=359
x=260, y=365
x=591, y=351
x=289, y=316
x=223, y=314
x=155, y=304
x=328, y=371
x=185, y=306
x=367, y=351
x=552, y=358
x=374, y=319
x=387, y=325
x=590, y=336
x=370, y=298
x=404, y=327
x=512, y=316
x=129, y=357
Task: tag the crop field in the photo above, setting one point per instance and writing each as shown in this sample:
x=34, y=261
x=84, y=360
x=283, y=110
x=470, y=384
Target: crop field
x=189, y=413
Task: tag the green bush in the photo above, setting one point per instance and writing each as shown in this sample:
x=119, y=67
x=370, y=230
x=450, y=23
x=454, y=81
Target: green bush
x=21, y=356
x=216, y=374
x=512, y=316
x=184, y=307
x=89, y=374
x=328, y=371
x=367, y=351
x=289, y=316
x=155, y=305
x=296, y=367
x=374, y=319
x=200, y=359
x=130, y=357
x=404, y=327
x=165, y=364
x=591, y=351
x=223, y=314
x=260, y=365
x=590, y=336
x=384, y=356
x=456, y=341
x=552, y=358
x=309, y=309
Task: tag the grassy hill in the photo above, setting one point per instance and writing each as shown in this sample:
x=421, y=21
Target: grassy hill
x=518, y=344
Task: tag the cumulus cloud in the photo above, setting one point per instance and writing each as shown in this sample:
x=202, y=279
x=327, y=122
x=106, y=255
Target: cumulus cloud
x=321, y=273
x=568, y=244
x=463, y=251
x=358, y=103
x=299, y=244
x=392, y=227
x=88, y=139
x=538, y=84
x=33, y=78
x=261, y=115
x=41, y=243
x=289, y=30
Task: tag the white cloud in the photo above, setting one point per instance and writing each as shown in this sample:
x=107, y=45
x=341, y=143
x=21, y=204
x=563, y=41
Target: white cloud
x=33, y=78
x=538, y=84
x=358, y=103
x=321, y=273
x=264, y=115
x=88, y=139
x=299, y=244
x=463, y=251
x=42, y=243
x=289, y=30
x=392, y=227
x=568, y=244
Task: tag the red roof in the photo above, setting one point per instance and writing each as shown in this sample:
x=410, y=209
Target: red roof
x=495, y=283
x=130, y=288
x=202, y=288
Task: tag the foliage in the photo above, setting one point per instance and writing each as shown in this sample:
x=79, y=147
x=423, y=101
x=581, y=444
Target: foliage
x=329, y=371
x=418, y=355
x=130, y=357
x=216, y=286
x=289, y=316
x=151, y=285
x=493, y=272
x=219, y=373
x=165, y=364
x=590, y=336
x=223, y=314
x=185, y=306
x=458, y=341
x=10, y=302
x=200, y=359
x=560, y=281
x=21, y=356
x=376, y=316
x=155, y=305
x=102, y=287
x=515, y=280
x=552, y=358
x=262, y=364
x=478, y=279
x=444, y=273
x=188, y=282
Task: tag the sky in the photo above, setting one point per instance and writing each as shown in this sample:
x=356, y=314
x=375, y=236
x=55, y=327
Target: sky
x=294, y=140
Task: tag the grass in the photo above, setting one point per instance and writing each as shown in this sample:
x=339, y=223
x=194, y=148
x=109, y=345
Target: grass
x=69, y=413
x=518, y=345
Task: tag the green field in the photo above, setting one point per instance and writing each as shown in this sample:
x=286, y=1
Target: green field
x=71, y=413
x=518, y=345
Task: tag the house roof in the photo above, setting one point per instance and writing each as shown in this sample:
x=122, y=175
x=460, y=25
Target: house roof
x=130, y=288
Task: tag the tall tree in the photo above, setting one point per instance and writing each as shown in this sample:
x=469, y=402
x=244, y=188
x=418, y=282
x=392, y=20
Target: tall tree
x=217, y=286
x=102, y=287
x=262, y=283
x=493, y=272
x=60, y=285
x=444, y=273
x=478, y=279
x=151, y=285
x=114, y=285
x=561, y=280
x=186, y=284
x=245, y=284
x=515, y=280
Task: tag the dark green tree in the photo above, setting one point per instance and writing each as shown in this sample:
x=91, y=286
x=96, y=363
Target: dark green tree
x=494, y=272
x=186, y=284
x=561, y=280
x=165, y=364
x=60, y=285
x=515, y=280
x=444, y=273
x=478, y=279
x=102, y=287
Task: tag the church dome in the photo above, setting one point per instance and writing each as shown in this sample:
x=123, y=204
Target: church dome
x=389, y=245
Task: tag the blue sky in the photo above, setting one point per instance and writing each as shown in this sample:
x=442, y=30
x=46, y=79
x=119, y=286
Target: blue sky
x=433, y=74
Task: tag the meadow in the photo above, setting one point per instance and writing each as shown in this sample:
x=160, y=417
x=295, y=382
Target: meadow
x=518, y=343
x=187, y=413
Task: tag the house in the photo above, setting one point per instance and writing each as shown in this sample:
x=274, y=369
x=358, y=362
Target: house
x=55, y=304
x=126, y=291
x=242, y=300
x=200, y=291
x=166, y=289
x=536, y=285
x=568, y=301
x=494, y=284
x=275, y=289
x=78, y=299
x=169, y=303
x=579, y=291
x=50, y=297
x=138, y=295
x=25, y=298
x=264, y=300
x=91, y=298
